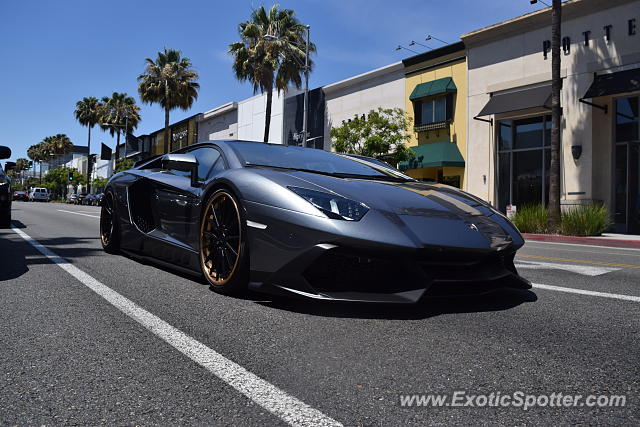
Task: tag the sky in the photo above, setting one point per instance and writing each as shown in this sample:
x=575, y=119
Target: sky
x=54, y=53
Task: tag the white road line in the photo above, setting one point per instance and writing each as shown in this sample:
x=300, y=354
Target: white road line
x=265, y=394
x=585, y=270
x=78, y=213
x=538, y=242
x=585, y=292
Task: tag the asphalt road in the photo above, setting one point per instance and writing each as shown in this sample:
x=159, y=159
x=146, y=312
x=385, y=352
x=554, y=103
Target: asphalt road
x=69, y=356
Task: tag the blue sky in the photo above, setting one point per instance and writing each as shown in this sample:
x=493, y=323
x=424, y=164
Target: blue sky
x=56, y=52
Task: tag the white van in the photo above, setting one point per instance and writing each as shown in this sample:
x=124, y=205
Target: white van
x=39, y=194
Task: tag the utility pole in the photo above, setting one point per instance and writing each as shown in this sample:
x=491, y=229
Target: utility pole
x=556, y=111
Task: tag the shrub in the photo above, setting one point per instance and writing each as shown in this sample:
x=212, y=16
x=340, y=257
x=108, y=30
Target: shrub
x=531, y=219
x=585, y=220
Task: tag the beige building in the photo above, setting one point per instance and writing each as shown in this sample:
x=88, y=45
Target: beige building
x=509, y=73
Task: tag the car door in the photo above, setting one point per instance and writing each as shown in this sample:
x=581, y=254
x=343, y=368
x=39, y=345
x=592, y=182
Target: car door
x=178, y=201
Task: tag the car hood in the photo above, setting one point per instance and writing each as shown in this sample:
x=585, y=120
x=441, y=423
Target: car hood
x=435, y=214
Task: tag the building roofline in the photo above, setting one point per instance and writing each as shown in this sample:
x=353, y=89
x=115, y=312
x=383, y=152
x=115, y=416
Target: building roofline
x=219, y=110
x=541, y=18
x=433, y=54
x=387, y=69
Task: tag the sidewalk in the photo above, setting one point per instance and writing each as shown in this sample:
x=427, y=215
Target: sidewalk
x=607, y=239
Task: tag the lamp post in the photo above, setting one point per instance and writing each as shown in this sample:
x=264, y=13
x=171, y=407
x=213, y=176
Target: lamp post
x=270, y=37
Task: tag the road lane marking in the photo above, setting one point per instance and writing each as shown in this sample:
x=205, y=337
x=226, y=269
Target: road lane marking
x=78, y=213
x=538, y=242
x=586, y=292
x=582, y=261
x=265, y=394
x=585, y=270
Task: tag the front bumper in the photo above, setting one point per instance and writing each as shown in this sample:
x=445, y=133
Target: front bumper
x=330, y=272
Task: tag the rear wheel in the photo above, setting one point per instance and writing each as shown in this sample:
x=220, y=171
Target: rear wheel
x=109, y=226
x=223, y=249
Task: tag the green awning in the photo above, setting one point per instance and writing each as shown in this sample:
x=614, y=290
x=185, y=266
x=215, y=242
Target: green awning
x=434, y=87
x=434, y=155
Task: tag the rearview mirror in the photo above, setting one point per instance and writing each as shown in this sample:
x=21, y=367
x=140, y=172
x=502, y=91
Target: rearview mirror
x=182, y=162
x=5, y=152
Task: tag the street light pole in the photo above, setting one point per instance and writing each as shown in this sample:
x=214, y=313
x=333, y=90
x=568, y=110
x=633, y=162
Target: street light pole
x=306, y=91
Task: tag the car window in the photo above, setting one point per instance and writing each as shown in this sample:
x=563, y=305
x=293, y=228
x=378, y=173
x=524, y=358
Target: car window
x=210, y=162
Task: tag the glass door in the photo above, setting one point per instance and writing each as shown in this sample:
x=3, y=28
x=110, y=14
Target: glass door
x=627, y=163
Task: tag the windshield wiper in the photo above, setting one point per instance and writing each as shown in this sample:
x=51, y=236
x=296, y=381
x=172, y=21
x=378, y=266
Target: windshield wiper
x=334, y=174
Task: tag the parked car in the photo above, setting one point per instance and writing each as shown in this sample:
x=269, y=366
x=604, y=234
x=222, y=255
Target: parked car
x=39, y=194
x=21, y=195
x=97, y=201
x=88, y=199
x=79, y=198
x=308, y=223
x=5, y=191
x=71, y=198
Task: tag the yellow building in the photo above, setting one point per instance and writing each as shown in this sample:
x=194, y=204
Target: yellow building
x=436, y=102
x=182, y=133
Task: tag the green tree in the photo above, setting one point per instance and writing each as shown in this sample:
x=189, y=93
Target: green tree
x=123, y=165
x=22, y=165
x=58, y=145
x=99, y=184
x=117, y=112
x=57, y=179
x=87, y=112
x=382, y=132
x=171, y=82
x=277, y=60
x=39, y=153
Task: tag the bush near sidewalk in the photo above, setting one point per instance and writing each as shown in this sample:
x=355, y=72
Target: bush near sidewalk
x=584, y=220
x=531, y=219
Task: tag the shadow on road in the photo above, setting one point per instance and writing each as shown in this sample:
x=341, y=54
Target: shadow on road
x=502, y=299
x=16, y=255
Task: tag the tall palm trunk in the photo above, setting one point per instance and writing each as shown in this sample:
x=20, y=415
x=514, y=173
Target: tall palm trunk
x=166, y=130
x=89, y=161
x=267, y=118
x=117, y=146
x=556, y=85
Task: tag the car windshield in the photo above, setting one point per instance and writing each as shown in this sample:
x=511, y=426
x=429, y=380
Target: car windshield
x=254, y=154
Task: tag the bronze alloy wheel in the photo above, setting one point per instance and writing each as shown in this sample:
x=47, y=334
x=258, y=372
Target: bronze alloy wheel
x=109, y=225
x=221, y=248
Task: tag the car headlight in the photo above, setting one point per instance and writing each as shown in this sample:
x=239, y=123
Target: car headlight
x=332, y=205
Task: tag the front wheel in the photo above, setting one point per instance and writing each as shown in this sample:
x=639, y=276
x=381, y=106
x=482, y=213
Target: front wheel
x=109, y=225
x=224, y=257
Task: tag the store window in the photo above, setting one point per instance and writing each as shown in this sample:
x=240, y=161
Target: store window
x=434, y=110
x=627, y=166
x=524, y=159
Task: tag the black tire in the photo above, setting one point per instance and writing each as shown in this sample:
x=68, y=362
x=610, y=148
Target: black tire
x=110, y=225
x=224, y=253
x=5, y=219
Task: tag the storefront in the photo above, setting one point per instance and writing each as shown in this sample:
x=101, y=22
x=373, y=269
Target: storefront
x=435, y=100
x=182, y=134
x=509, y=70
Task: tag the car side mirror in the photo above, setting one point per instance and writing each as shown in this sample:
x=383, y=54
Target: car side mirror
x=182, y=162
x=5, y=152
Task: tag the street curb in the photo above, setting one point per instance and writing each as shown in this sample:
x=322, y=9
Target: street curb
x=597, y=241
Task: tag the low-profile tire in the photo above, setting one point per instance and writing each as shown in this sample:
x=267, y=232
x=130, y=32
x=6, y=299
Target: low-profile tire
x=109, y=225
x=224, y=253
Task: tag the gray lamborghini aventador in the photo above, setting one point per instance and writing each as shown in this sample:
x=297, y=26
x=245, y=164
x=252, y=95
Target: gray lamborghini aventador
x=305, y=222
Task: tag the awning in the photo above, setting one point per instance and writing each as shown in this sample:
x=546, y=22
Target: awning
x=434, y=87
x=614, y=83
x=516, y=101
x=434, y=155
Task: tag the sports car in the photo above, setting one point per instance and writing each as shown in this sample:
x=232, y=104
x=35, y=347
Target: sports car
x=305, y=222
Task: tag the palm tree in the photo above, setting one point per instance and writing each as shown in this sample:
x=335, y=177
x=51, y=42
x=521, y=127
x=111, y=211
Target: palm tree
x=277, y=60
x=36, y=154
x=87, y=112
x=22, y=165
x=556, y=84
x=58, y=145
x=117, y=113
x=171, y=82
